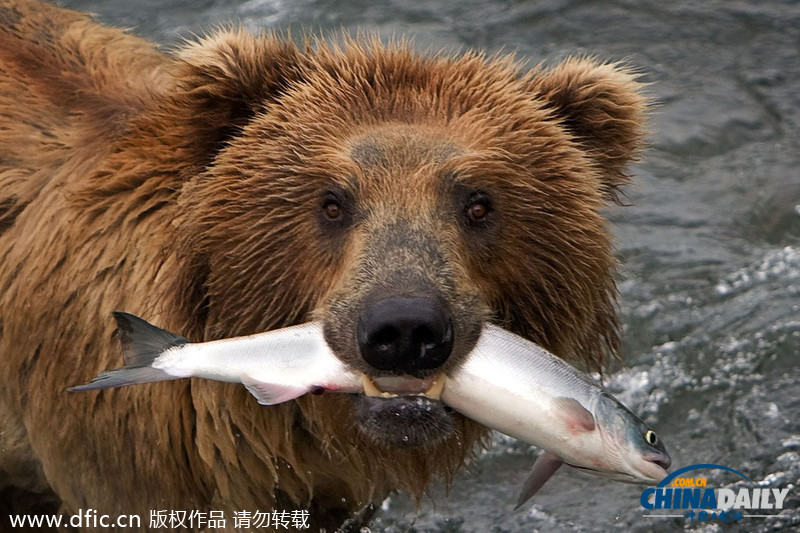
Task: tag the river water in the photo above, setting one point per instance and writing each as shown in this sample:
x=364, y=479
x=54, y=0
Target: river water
x=710, y=287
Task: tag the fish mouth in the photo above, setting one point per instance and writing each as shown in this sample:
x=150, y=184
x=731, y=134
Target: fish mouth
x=609, y=474
x=662, y=461
x=403, y=412
x=646, y=472
x=653, y=469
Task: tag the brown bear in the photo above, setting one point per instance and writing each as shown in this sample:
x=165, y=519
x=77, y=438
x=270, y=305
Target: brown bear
x=246, y=183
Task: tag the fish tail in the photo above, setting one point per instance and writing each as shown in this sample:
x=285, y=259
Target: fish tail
x=123, y=376
x=142, y=343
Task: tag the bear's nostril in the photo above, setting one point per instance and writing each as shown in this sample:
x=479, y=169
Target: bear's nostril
x=384, y=338
x=405, y=335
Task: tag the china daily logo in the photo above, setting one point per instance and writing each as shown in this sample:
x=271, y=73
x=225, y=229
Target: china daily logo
x=706, y=504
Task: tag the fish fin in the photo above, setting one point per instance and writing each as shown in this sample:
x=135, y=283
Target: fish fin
x=142, y=343
x=577, y=417
x=272, y=393
x=124, y=376
x=543, y=469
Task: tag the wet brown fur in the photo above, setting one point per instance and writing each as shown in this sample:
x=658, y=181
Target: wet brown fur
x=186, y=189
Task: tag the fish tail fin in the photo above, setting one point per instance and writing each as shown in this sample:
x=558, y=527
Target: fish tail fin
x=123, y=376
x=543, y=469
x=142, y=343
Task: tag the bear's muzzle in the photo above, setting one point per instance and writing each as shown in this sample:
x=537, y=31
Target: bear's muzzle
x=405, y=335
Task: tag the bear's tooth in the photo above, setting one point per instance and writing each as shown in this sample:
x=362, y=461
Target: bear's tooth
x=370, y=389
x=435, y=392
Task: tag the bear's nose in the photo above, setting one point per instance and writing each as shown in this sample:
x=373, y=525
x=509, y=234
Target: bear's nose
x=405, y=335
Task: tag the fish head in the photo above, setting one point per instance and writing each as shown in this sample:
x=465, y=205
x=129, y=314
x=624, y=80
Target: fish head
x=632, y=451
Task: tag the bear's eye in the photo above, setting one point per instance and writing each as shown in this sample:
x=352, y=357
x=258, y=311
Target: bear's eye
x=478, y=209
x=332, y=209
x=335, y=212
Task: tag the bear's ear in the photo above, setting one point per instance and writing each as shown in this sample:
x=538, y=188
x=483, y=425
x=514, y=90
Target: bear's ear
x=224, y=79
x=602, y=106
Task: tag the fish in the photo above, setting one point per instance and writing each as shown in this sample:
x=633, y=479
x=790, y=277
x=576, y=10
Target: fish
x=518, y=388
x=276, y=366
x=507, y=383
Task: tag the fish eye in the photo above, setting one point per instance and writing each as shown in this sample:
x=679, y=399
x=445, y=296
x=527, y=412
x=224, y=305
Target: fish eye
x=651, y=437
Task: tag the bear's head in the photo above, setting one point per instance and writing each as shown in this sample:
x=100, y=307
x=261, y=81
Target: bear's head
x=403, y=201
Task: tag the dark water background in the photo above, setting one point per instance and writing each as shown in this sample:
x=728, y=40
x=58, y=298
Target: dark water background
x=710, y=288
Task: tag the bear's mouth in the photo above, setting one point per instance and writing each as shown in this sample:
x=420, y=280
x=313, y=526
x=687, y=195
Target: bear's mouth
x=394, y=386
x=403, y=412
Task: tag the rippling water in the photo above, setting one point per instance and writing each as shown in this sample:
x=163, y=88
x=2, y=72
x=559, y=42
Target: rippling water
x=711, y=246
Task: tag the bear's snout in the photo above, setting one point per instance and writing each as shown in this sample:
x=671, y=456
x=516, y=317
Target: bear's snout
x=405, y=335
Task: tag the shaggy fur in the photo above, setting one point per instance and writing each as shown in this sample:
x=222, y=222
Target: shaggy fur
x=188, y=188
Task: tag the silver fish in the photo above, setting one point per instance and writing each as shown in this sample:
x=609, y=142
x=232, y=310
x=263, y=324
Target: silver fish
x=507, y=383
x=514, y=386
x=276, y=366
